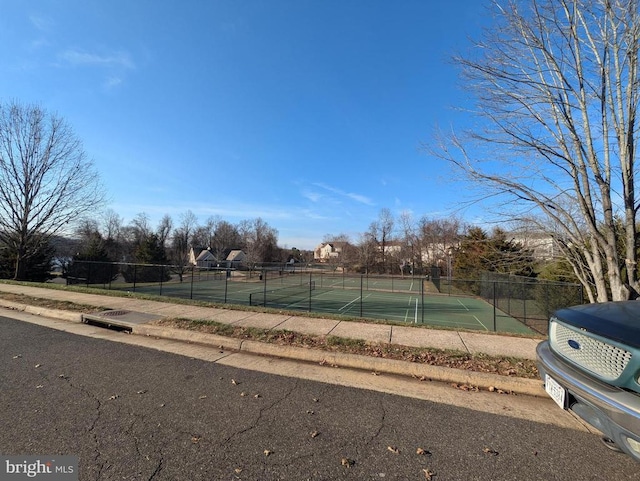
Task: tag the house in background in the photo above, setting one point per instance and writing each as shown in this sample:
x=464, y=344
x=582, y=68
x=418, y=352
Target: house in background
x=329, y=251
x=194, y=252
x=235, y=258
x=208, y=260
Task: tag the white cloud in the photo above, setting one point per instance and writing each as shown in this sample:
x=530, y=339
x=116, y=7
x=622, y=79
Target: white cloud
x=112, y=82
x=312, y=196
x=117, y=59
x=41, y=23
x=353, y=196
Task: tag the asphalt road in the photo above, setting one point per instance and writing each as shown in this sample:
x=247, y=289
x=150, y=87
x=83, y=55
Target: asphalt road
x=134, y=413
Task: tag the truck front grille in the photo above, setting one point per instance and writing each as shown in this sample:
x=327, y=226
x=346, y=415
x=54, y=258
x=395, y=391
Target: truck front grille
x=600, y=358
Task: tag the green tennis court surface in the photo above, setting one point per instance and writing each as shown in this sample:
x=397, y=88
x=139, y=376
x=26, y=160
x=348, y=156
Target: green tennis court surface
x=400, y=300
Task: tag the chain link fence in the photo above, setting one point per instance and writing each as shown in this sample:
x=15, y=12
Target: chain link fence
x=316, y=288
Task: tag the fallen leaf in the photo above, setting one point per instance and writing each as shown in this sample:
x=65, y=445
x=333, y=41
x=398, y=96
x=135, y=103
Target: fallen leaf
x=347, y=462
x=428, y=474
x=315, y=400
x=115, y=396
x=267, y=452
x=195, y=439
x=257, y=396
x=234, y=382
x=39, y=386
x=309, y=411
x=143, y=391
x=38, y=365
x=393, y=449
x=63, y=376
x=315, y=434
x=204, y=396
x=490, y=451
x=423, y=452
x=243, y=394
x=238, y=470
x=17, y=356
x=375, y=373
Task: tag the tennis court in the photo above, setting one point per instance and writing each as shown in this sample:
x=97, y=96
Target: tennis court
x=400, y=300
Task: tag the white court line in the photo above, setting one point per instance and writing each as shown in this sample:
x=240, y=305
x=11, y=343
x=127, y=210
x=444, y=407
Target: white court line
x=349, y=303
x=474, y=316
x=485, y=327
x=460, y=302
x=415, y=316
x=406, y=314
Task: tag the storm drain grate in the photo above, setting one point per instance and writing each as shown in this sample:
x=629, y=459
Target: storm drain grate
x=114, y=313
x=119, y=320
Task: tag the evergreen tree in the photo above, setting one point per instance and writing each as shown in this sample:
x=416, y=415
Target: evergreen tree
x=92, y=265
x=151, y=260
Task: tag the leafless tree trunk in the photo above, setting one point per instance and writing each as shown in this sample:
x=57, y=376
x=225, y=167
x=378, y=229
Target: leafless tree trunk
x=46, y=180
x=557, y=84
x=181, y=242
x=381, y=231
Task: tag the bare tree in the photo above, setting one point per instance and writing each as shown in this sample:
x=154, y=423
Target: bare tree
x=380, y=231
x=164, y=229
x=260, y=240
x=367, y=251
x=438, y=237
x=46, y=180
x=557, y=84
x=225, y=238
x=181, y=243
x=140, y=228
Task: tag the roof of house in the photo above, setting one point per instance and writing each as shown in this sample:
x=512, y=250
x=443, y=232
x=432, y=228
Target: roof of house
x=235, y=255
x=206, y=255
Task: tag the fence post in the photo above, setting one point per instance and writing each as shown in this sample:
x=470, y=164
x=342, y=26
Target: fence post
x=310, y=289
x=161, y=276
x=524, y=302
x=361, y=293
x=494, y=306
x=192, y=274
x=135, y=272
x=264, y=276
x=226, y=284
x=422, y=296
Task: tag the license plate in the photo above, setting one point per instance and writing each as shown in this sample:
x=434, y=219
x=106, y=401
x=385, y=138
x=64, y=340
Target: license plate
x=556, y=391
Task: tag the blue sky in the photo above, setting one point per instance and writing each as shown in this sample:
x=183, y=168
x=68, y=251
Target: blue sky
x=308, y=114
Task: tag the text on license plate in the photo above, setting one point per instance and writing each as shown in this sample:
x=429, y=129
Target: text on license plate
x=555, y=390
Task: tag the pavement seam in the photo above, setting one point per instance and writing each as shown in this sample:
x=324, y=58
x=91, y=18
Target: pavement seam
x=334, y=328
x=463, y=343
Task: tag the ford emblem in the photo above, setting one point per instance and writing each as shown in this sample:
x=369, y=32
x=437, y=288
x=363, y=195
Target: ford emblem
x=573, y=344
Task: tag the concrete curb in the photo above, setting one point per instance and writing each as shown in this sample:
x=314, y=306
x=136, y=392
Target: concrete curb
x=531, y=387
x=487, y=381
x=42, y=311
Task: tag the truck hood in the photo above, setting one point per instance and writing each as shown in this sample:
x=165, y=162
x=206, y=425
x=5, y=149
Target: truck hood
x=618, y=321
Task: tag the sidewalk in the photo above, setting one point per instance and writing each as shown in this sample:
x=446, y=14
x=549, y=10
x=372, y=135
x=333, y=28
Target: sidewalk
x=137, y=313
